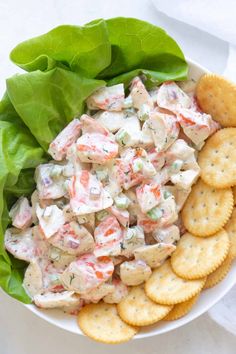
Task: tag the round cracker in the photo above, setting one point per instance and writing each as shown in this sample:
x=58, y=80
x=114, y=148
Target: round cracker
x=230, y=227
x=196, y=257
x=207, y=209
x=101, y=322
x=181, y=309
x=138, y=310
x=167, y=288
x=219, y=274
x=217, y=96
x=217, y=159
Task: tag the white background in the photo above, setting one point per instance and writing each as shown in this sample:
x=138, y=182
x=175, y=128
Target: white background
x=21, y=332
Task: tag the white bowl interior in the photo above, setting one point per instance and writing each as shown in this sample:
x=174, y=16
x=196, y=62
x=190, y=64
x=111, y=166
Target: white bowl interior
x=207, y=299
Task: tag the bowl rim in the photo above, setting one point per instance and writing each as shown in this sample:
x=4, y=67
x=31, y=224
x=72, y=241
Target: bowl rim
x=43, y=314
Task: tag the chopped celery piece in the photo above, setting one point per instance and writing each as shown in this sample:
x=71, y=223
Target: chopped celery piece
x=176, y=166
x=137, y=165
x=122, y=137
x=143, y=113
x=100, y=215
x=167, y=194
x=155, y=213
x=121, y=201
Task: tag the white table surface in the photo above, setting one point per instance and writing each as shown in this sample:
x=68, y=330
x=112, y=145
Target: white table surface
x=21, y=332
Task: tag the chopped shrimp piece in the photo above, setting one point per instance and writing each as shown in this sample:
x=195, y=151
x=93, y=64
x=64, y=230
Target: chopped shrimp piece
x=87, y=273
x=87, y=194
x=112, y=121
x=163, y=214
x=134, y=272
x=162, y=176
x=68, y=136
x=54, y=300
x=185, y=179
x=74, y=310
x=43, y=203
x=121, y=215
x=107, y=175
x=139, y=94
x=191, y=163
x=180, y=195
x=132, y=239
x=90, y=126
x=51, y=219
x=146, y=139
x=179, y=150
x=95, y=295
x=50, y=181
x=74, y=163
x=149, y=195
x=129, y=134
x=171, y=97
x=197, y=126
x=20, y=244
x=60, y=259
x=168, y=211
x=146, y=223
x=96, y=148
x=169, y=234
x=109, y=98
x=33, y=279
x=73, y=239
x=164, y=129
x=156, y=158
x=108, y=237
x=154, y=255
x=52, y=268
x=133, y=167
x=21, y=213
x=120, y=291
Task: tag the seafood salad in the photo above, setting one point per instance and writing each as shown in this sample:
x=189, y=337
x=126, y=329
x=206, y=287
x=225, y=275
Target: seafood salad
x=106, y=209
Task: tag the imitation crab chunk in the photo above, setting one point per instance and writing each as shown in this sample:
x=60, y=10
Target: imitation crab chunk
x=87, y=273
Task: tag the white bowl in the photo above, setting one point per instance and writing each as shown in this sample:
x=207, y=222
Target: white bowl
x=207, y=299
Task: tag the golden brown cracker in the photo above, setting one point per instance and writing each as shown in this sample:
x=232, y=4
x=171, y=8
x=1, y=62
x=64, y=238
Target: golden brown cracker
x=181, y=309
x=230, y=227
x=217, y=96
x=219, y=274
x=138, y=310
x=102, y=323
x=167, y=288
x=196, y=257
x=207, y=209
x=217, y=159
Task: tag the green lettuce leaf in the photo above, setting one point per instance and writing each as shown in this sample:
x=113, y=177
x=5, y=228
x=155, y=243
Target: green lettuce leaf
x=18, y=151
x=140, y=45
x=82, y=49
x=47, y=101
x=25, y=185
